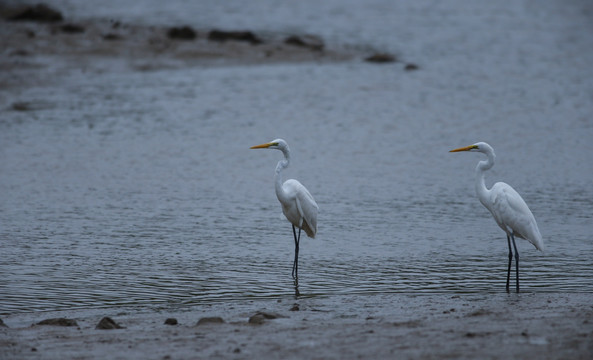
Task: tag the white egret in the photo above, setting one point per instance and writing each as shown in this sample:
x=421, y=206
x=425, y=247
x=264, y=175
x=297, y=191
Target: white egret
x=298, y=204
x=507, y=207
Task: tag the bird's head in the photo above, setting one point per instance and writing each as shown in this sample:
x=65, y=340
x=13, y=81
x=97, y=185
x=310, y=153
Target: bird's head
x=278, y=144
x=477, y=147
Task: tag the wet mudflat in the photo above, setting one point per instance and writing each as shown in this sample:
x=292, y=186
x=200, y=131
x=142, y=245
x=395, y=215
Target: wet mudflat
x=337, y=327
x=128, y=189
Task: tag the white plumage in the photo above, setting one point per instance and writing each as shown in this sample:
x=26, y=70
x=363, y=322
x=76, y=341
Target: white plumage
x=508, y=208
x=298, y=204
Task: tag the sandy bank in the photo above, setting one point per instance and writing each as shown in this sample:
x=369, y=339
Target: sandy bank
x=499, y=326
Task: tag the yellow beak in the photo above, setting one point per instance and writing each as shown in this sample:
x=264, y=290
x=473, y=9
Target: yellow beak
x=262, y=146
x=466, y=148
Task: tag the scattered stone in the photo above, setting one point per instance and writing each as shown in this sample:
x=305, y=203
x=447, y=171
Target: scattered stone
x=479, y=312
x=39, y=12
x=308, y=41
x=30, y=105
x=58, y=322
x=260, y=317
x=19, y=52
x=181, y=33
x=411, y=67
x=2, y=324
x=21, y=106
x=107, y=323
x=33, y=349
x=381, y=58
x=72, y=28
x=471, y=334
x=171, y=321
x=257, y=319
x=210, y=320
x=112, y=37
x=221, y=36
x=237, y=350
x=295, y=307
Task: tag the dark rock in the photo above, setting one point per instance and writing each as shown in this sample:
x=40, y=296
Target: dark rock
x=2, y=324
x=58, y=322
x=479, y=312
x=471, y=334
x=171, y=321
x=21, y=106
x=112, y=37
x=307, y=41
x=107, y=323
x=221, y=36
x=72, y=28
x=381, y=58
x=39, y=12
x=19, y=52
x=260, y=317
x=181, y=33
x=411, y=67
x=295, y=307
x=257, y=319
x=210, y=320
x=30, y=105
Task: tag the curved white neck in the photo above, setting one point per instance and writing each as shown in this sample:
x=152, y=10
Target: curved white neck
x=282, y=164
x=481, y=189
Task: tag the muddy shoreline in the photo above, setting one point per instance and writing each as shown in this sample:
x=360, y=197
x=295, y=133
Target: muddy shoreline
x=37, y=51
x=495, y=326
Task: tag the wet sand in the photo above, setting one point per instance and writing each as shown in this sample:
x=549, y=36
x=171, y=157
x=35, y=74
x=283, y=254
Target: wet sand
x=40, y=52
x=493, y=326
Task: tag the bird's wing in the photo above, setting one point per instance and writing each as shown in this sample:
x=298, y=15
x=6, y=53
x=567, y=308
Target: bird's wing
x=306, y=206
x=308, y=209
x=513, y=213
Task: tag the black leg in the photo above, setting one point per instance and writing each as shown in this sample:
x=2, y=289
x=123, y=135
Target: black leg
x=295, y=264
x=296, y=288
x=510, y=262
x=516, y=260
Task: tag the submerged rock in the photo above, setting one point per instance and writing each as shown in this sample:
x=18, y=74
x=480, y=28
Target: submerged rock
x=107, y=323
x=308, y=41
x=381, y=58
x=411, y=67
x=221, y=36
x=2, y=324
x=39, y=12
x=181, y=33
x=171, y=321
x=112, y=37
x=260, y=317
x=210, y=320
x=58, y=322
x=72, y=28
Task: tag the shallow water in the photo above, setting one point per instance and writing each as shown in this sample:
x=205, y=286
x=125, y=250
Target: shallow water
x=139, y=189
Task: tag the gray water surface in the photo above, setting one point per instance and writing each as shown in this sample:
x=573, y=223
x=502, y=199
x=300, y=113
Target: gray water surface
x=139, y=189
